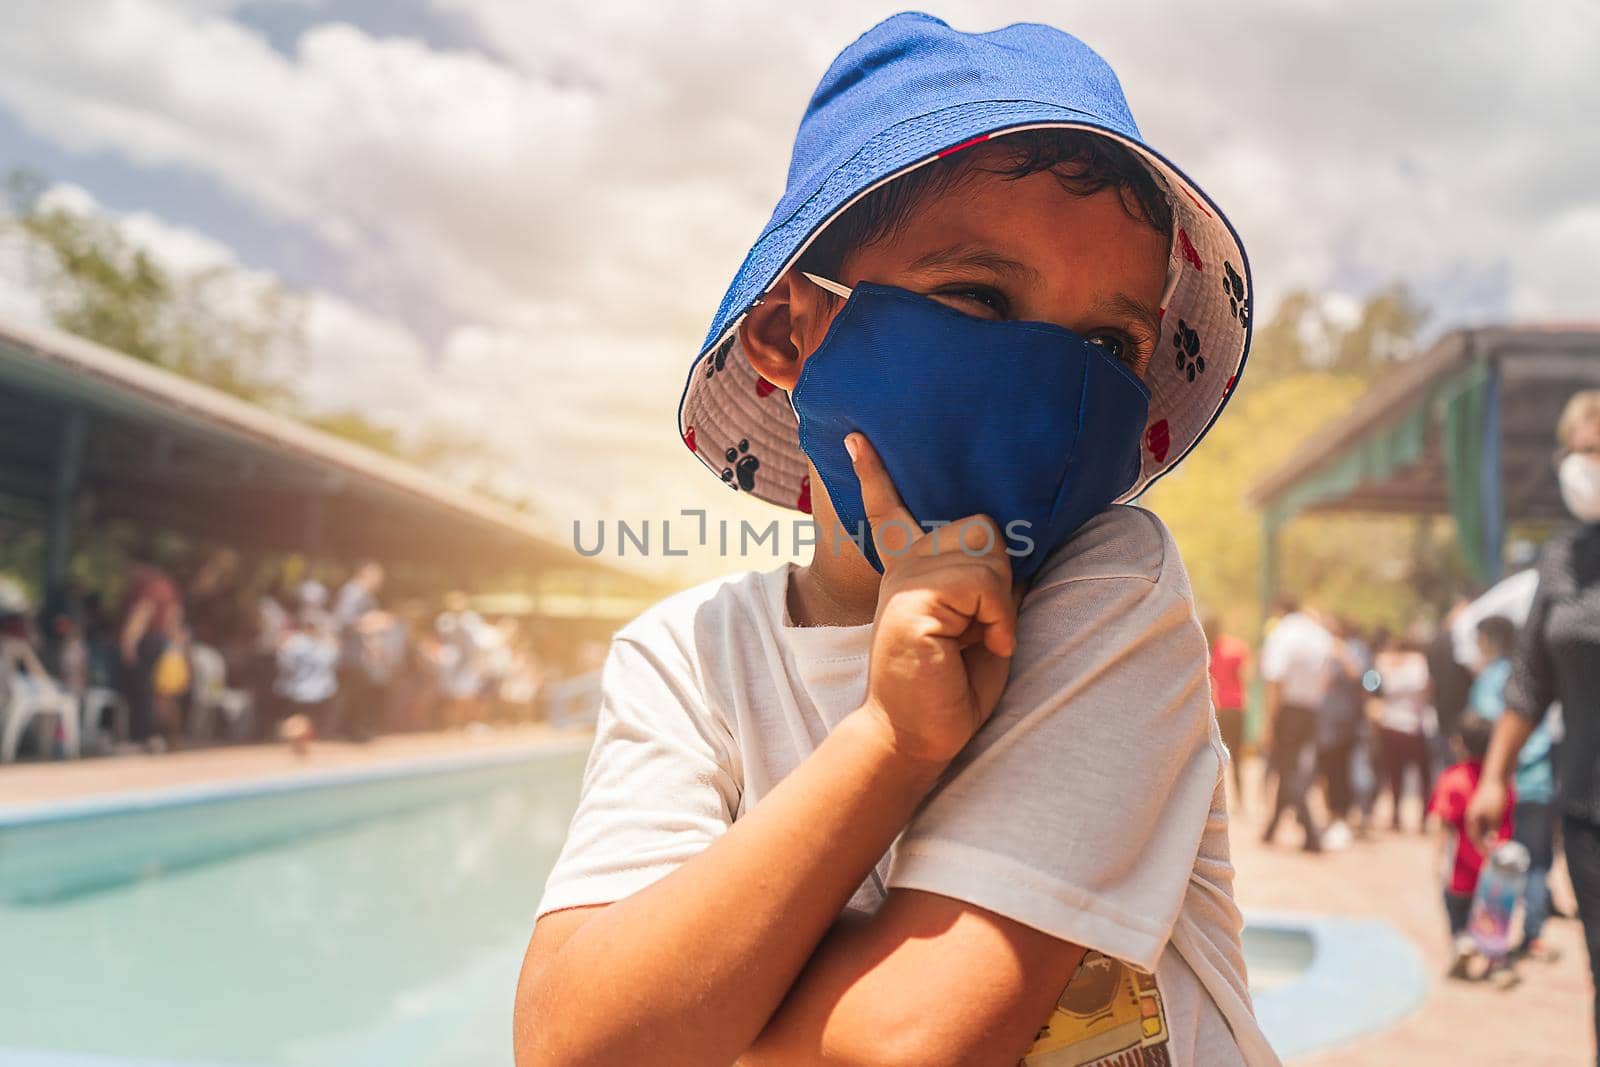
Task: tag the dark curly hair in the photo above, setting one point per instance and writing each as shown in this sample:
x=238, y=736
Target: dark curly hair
x=1083, y=162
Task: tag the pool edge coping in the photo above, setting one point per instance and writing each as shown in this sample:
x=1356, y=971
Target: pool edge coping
x=161, y=798
x=1363, y=960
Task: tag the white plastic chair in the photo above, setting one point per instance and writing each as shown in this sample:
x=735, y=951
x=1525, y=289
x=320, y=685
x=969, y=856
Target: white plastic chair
x=98, y=702
x=209, y=695
x=26, y=692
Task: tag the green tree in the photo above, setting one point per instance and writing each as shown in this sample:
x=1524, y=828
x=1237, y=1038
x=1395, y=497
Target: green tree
x=240, y=336
x=209, y=326
x=1305, y=371
x=354, y=426
x=1303, y=335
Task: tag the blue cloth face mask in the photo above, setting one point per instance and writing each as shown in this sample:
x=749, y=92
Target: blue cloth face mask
x=1025, y=422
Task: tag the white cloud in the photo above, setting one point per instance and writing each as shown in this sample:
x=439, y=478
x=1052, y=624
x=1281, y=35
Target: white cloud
x=353, y=359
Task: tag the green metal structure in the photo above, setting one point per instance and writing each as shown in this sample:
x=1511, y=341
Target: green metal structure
x=1465, y=430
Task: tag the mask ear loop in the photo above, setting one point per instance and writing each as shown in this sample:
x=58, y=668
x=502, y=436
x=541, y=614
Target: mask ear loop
x=823, y=283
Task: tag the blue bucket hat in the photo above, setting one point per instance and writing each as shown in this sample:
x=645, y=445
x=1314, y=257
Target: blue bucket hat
x=910, y=91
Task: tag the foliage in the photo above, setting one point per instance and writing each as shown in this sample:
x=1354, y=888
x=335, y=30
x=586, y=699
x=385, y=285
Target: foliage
x=237, y=334
x=1305, y=334
x=210, y=326
x=1306, y=369
x=354, y=426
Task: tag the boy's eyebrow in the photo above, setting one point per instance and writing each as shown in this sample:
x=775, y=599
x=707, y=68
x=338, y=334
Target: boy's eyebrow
x=973, y=255
x=1123, y=304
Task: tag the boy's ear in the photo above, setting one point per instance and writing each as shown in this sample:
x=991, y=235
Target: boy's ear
x=775, y=332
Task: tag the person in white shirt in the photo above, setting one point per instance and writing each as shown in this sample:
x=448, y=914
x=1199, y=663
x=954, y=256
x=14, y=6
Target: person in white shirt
x=1406, y=720
x=1297, y=665
x=307, y=659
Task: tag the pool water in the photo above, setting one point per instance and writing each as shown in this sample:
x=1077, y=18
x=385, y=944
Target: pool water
x=380, y=919
x=395, y=940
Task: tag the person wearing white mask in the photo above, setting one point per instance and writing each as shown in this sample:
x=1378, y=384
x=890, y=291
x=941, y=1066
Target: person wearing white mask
x=1558, y=659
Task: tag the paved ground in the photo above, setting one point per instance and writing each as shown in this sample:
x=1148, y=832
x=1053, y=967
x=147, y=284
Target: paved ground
x=1542, y=1023
x=25, y=784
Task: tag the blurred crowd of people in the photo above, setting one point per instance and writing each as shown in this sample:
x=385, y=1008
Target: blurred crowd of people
x=1494, y=712
x=1350, y=715
x=210, y=659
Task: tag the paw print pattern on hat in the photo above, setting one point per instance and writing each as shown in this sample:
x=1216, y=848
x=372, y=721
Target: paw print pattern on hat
x=718, y=359
x=742, y=466
x=1238, y=299
x=1188, y=361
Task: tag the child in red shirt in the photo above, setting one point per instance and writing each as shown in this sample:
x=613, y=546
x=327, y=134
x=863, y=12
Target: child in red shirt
x=1460, y=860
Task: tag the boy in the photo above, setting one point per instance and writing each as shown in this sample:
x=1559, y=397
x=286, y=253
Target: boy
x=1460, y=860
x=868, y=811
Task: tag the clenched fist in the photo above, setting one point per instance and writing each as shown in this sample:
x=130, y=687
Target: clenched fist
x=946, y=623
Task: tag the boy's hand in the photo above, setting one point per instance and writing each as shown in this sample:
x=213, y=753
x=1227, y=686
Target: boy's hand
x=946, y=622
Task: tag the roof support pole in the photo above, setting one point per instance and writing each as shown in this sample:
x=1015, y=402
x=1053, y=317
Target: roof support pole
x=64, y=497
x=1492, y=483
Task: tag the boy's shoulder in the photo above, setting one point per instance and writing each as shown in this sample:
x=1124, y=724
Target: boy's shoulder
x=1122, y=541
x=718, y=602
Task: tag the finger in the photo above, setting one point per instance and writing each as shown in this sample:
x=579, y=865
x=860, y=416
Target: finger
x=894, y=528
x=978, y=538
x=995, y=613
x=970, y=601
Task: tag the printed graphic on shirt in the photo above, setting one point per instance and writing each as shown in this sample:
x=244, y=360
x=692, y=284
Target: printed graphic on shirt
x=1109, y=1015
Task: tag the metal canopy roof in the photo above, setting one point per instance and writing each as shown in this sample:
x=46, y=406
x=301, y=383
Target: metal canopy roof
x=166, y=451
x=1538, y=369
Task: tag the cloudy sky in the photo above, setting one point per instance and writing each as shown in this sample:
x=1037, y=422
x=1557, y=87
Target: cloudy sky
x=517, y=216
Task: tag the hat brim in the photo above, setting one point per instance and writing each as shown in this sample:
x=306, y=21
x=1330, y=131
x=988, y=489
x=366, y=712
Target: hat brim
x=743, y=429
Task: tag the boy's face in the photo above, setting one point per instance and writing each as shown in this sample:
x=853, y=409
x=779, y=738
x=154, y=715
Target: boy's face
x=995, y=248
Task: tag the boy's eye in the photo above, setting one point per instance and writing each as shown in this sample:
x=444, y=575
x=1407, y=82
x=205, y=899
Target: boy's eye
x=977, y=300
x=1120, y=346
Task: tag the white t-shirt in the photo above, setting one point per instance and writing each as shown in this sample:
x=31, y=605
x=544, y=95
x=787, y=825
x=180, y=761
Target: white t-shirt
x=1298, y=655
x=306, y=663
x=1090, y=806
x=1403, y=696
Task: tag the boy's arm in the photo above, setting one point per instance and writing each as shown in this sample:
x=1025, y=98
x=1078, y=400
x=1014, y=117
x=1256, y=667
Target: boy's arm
x=928, y=981
x=688, y=970
x=1076, y=817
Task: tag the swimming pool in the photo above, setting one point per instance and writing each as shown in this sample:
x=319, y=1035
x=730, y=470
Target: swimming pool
x=379, y=918
x=381, y=932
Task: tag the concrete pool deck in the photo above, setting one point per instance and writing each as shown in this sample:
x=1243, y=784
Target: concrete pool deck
x=25, y=785
x=1544, y=1022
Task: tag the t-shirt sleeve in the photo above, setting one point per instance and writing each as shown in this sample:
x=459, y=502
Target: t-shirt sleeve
x=1079, y=807
x=660, y=784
